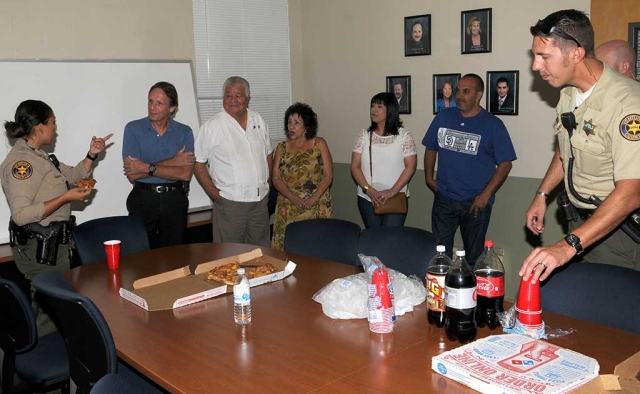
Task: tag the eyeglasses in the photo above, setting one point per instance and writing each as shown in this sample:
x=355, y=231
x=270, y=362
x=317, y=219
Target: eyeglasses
x=547, y=28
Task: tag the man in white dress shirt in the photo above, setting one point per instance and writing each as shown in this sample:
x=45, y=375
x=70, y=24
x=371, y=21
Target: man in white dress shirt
x=236, y=145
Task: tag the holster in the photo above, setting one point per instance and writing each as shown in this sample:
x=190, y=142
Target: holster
x=566, y=207
x=48, y=238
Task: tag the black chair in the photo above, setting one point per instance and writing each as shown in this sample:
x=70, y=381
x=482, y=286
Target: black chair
x=405, y=249
x=599, y=293
x=89, y=237
x=39, y=363
x=112, y=383
x=90, y=346
x=327, y=239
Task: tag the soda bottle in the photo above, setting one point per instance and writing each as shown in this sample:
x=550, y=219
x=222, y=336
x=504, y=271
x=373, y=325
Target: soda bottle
x=242, y=299
x=460, y=284
x=490, y=279
x=436, y=271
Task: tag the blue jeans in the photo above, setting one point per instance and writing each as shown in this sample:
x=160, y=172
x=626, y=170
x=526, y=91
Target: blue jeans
x=447, y=215
x=370, y=219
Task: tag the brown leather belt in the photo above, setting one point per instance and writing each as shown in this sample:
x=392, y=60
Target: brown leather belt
x=159, y=187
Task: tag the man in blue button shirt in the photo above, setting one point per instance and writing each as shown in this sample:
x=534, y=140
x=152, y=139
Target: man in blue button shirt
x=158, y=157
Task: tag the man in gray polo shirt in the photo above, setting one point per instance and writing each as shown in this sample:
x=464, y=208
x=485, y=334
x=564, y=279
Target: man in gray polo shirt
x=236, y=145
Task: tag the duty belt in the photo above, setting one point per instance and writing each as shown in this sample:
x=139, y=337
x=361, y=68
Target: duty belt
x=48, y=238
x=585, y=213
x=159, y=187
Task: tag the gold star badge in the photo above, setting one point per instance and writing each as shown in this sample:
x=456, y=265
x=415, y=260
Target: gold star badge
x=589, y=127
x=22, y=170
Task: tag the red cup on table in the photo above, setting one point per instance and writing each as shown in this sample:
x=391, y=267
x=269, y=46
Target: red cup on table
x=528, y=304
x=112, y=250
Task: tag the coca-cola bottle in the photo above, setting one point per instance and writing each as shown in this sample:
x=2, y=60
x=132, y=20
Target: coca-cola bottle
x=490, y=278
x=436, y=271
x=460, y=284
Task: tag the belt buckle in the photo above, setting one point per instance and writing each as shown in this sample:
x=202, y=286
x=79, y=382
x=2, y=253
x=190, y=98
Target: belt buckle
x=162, y=189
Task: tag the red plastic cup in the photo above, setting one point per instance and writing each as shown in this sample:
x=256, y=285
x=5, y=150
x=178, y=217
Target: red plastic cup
x=529, y=297
x=112, y=249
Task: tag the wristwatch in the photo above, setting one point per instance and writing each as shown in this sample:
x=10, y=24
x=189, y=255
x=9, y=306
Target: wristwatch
x=365, y=188
x=152, y=169
x=574, y=241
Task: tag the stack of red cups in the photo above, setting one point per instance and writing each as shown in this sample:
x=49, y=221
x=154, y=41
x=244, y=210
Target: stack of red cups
x=381, y=311
x=528, y=305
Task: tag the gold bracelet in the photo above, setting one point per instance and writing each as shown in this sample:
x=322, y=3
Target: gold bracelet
x=366, y=188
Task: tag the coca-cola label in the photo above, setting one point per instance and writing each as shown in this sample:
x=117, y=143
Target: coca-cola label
x=435, y=292
x=461, y=298
x=490, y=286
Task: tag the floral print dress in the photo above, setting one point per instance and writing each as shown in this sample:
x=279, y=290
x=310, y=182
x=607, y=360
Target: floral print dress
x=301, y=172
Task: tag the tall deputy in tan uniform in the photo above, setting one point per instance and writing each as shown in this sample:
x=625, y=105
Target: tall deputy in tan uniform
x=598, y=130
x=37, y=188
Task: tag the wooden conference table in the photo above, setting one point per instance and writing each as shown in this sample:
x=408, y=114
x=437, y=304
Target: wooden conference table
x=290, y=346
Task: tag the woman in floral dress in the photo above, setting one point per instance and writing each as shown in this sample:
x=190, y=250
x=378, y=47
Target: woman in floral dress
x=302, y=173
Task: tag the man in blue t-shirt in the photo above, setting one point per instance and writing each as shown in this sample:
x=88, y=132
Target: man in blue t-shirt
x=158, y=159
x=474, y=153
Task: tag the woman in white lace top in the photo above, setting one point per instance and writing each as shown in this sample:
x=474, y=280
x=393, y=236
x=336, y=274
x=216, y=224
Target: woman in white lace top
x=393, y=156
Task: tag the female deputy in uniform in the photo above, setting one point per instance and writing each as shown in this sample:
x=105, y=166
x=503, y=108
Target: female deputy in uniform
x=37, y=188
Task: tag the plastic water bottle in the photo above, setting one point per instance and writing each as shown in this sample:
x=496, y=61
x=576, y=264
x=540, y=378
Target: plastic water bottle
x=436, y=271
x=461, y=301
x=490, y=278
x=242, y=299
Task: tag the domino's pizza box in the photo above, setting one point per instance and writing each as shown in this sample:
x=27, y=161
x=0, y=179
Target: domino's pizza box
x=178, y=288
x=514, y=363
x=624, y=380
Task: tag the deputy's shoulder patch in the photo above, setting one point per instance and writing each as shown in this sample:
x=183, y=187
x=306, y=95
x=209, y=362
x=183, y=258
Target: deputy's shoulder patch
x=22, y=170
x=630, y=127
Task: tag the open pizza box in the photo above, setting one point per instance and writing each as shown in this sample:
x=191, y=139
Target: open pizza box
x=625, y=379
x=177, y=288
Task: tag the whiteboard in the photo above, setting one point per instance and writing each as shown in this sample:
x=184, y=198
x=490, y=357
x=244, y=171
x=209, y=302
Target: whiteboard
x=91, y=98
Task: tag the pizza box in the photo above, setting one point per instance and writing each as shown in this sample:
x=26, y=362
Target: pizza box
x=514, y=363
x=177, y=288
x=624, y=380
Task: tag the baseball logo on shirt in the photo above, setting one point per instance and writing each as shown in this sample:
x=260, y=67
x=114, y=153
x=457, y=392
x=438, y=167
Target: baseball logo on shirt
x=22, y=170
x=630, y=127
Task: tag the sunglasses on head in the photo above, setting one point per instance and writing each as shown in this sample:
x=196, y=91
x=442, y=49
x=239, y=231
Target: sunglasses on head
x=547, y=28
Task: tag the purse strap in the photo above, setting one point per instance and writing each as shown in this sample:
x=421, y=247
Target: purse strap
x=370, y=156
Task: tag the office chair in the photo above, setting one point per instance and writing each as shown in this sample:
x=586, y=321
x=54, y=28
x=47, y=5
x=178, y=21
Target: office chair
x=327, y=239
x=599, y=293
x=39, y=363
x=90, y=346
x=89, y=237
x=405, y=249
x=112, y=383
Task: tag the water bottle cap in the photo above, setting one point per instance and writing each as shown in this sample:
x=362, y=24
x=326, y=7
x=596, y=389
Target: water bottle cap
x=460, y=253
x=440, y=248
x=240, y=271
x=488, y=243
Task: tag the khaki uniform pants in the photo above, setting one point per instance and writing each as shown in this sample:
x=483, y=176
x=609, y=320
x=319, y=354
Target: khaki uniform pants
x=614, y=249
x=25, y=259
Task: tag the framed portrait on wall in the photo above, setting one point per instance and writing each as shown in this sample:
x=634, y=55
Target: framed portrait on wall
x=417, y=35
x=400, y=87
x=476, y=31
x=503, y=92
x=444, y=91
x=634, y=41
